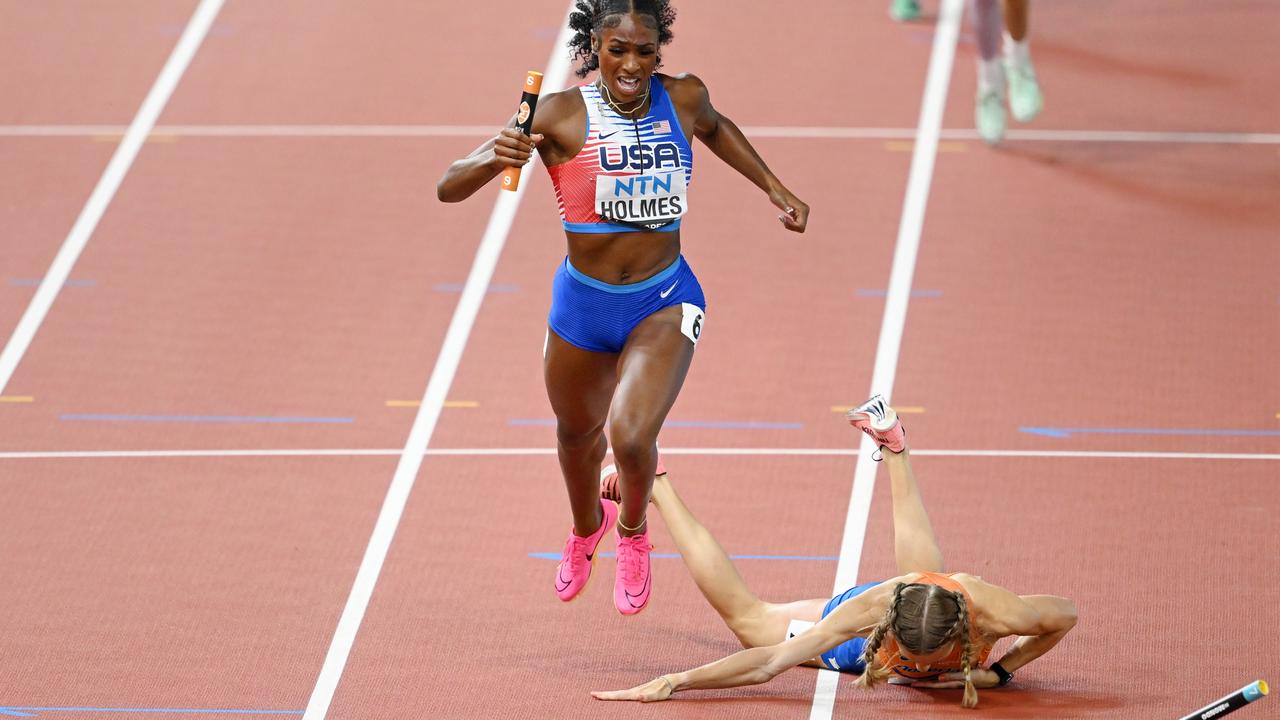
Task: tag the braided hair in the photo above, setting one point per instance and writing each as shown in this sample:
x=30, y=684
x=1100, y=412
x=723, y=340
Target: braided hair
x=961, y=630
x=874, y=673
x=594, y=15
x=922, y=617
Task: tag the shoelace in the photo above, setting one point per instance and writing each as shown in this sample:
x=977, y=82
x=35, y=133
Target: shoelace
x=575, y=553
x=631, y=555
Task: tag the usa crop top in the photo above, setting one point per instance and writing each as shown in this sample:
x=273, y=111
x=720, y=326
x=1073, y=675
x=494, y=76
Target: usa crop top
x=630, y=176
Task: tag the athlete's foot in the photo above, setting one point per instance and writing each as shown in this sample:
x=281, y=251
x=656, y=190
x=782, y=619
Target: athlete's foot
x=989, y=116
x=875, y=418
x=578, y=556
x=633, y=581
x=609, y=481
x=1025, y=99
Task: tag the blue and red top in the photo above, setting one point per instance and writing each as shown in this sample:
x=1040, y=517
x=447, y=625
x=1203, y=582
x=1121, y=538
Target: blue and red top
x=632, y=175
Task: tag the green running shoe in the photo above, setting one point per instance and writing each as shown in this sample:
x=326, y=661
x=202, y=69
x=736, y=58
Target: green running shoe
x=989, y=116
x=904, y=10
x=1025, y=99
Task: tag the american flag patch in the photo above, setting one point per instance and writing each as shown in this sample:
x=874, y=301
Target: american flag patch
x=661, y=127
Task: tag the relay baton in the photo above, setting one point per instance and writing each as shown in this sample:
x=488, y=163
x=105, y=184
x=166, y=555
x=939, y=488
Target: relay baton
x=1230, y=703
x=524, y=122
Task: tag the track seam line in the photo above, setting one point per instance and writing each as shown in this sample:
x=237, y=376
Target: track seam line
x=894, y=319
x=433, y=399
x=196, y=30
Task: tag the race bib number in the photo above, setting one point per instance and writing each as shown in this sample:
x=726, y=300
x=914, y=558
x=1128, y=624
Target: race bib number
x=657, y=198
x=691, y=323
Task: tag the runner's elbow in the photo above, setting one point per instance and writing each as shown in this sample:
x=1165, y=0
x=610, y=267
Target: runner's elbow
x=1064, y=615
x=1069, y=613
x=446, y=193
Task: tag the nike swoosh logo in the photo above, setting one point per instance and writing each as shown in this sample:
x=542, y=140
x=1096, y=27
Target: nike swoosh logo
x=641, y=594
x=609, y=135
x=668, y=290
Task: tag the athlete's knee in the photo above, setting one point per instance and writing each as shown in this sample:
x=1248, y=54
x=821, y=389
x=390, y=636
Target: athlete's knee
x=578, y=437
x=632, y=447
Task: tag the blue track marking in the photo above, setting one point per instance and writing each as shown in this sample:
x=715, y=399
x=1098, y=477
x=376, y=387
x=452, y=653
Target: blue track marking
x=34, y=711
x=275, y=419
x=35, y=282
x=1056, y=432
x=717, y=424
x=881, y=292
x=669, y=556
x=493, y=288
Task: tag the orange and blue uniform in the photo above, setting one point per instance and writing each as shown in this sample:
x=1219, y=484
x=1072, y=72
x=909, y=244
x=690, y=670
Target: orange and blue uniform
x=847, y=656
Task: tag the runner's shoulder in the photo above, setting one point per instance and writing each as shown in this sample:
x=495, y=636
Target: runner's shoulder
x=561, y=105
x=685, y=87
x=562, y=117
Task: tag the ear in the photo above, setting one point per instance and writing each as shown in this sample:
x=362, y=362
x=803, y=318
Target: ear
x=595, y=42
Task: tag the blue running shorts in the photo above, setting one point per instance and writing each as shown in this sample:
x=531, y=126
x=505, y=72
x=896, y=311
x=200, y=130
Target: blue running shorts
x=597, y=316
x=847, y=656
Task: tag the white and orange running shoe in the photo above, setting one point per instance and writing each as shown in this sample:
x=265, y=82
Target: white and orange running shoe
x=875, y=418
x=609, y=481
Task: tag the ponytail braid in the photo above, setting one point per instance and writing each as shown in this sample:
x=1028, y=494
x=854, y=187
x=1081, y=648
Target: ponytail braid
x=970, y=698
x=872, y=673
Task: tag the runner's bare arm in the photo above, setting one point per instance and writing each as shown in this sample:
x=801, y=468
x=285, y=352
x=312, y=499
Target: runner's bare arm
x=509, y=148
x=1055, y=616
x=1040, y=620
x=724, y=138
x=757, y=665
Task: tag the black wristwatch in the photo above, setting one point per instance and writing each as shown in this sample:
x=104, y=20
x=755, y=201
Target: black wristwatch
x=1005, y=676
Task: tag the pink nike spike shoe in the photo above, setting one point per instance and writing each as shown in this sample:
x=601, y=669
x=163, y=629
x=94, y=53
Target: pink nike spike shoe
x=579, y=555
x=632, y=581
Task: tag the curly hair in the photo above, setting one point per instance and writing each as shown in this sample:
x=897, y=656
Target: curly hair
x=594, y=15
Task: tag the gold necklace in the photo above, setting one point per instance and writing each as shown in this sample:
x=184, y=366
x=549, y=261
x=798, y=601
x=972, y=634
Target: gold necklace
x=603, y=89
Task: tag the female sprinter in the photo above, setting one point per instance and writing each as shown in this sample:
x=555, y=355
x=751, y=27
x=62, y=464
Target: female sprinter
x=626, y=309
x=923, y=627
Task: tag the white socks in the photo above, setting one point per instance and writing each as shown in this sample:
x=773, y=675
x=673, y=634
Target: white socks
x=1018, y=54
x=990, y=76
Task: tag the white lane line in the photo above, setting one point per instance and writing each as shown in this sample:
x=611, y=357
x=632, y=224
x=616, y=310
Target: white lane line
x=693, y=451
x=433, y=399
x=1126, y=136
x=895, y=312
x=1096, y=136
x=106, y=188
x=793, y=132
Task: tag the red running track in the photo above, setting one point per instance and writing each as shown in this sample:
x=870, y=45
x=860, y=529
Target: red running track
x=1060, y=283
